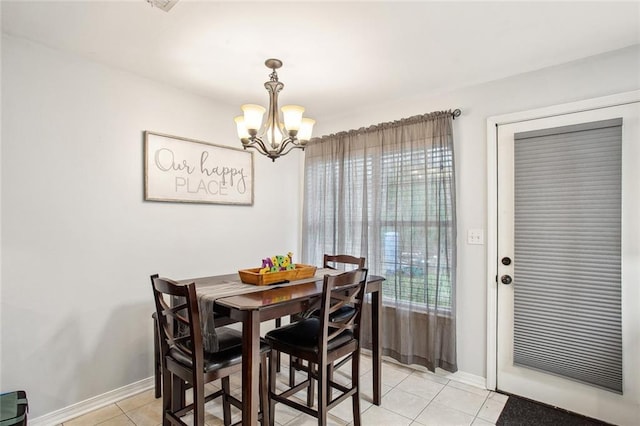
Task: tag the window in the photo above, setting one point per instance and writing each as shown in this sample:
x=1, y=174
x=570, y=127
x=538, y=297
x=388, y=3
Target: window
x=394, y=208
x=410, y=227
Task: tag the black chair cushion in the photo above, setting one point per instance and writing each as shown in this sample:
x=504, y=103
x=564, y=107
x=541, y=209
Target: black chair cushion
x=303, y=336
x=228, y=337
x=342, y=314
x=230, y=353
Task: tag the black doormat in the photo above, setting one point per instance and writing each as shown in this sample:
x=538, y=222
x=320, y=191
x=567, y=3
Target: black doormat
x=524, y=412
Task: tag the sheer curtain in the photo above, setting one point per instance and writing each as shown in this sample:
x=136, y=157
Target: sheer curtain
x=387, y=193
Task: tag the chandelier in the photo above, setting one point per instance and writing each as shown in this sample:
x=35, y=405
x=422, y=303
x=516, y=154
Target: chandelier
x=275, y=137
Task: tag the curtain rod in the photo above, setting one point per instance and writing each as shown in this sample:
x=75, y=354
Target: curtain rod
x=453, y=114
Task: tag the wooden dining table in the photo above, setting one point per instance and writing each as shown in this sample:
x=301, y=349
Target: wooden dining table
x=260, y=304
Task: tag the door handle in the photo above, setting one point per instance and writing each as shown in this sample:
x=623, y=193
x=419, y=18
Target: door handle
x=506, y=279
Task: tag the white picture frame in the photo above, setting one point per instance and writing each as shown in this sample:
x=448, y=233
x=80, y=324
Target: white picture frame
x=190, y=171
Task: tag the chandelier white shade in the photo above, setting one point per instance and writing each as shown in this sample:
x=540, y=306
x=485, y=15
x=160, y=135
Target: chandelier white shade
x=275, y=137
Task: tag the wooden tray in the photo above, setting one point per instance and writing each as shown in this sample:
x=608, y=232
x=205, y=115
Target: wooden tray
x=252, y=276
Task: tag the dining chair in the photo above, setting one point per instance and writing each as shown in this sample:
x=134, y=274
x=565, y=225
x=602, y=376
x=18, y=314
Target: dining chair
x=321, y=340
x=341, y=262
x=184, y=361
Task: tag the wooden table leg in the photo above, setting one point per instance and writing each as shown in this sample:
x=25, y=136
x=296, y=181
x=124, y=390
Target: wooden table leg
x=250, y=366
x=376, y=325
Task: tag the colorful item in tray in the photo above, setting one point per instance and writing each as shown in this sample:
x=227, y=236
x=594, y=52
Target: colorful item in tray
x=277, y=263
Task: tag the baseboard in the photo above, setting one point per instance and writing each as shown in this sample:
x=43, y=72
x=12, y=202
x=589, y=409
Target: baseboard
x=67, y=413
x=464, y=377
x=458, y=376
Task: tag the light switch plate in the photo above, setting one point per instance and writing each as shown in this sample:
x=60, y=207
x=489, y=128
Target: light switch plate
x=475, y=236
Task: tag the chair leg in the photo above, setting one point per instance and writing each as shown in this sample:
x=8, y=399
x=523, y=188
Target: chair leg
x=311, y=386
x=167, y=396
x=198, y=402
x=264, y=388
x=355, y=382
x=272, y=389
x=157, y=364
x=176, y=392
x=226, y=405
x=292, y=371
x=322, y=395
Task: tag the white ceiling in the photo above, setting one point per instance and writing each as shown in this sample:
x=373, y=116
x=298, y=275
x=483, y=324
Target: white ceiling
x=338, y=56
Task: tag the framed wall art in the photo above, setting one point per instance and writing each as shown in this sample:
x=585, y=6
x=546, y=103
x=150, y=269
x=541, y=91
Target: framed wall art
x=190, y=171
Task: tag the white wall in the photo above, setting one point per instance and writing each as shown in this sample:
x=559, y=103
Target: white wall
x=79, y=242
x=614, y=72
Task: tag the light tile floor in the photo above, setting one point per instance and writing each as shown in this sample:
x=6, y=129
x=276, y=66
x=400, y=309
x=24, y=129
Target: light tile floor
x=410, y=397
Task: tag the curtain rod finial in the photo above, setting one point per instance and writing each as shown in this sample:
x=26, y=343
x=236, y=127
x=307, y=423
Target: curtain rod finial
x=456, y=113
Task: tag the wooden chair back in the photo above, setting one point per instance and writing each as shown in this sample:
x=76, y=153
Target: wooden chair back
x=178, y=321
x=343, y=261
x=346, y=289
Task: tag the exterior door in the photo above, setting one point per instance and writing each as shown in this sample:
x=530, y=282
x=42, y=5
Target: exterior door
x=568, y=261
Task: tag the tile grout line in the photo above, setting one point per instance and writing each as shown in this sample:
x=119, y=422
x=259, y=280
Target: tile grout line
x=481, y=407
x=431, y=400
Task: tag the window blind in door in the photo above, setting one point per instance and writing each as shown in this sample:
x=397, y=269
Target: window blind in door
x=567, y=257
